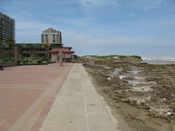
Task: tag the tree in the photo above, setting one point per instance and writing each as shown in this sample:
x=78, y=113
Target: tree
x=45, y=46
x=10, y=42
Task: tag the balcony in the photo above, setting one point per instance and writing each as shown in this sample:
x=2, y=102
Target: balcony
x=25, y=51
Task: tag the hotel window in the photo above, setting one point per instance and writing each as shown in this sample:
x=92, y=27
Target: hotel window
x=46, y=38
x=53, y=38
x=57, y=40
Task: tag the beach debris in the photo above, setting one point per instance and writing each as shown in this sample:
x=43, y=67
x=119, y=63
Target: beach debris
x=164, y=99
x=109, y=78
x=122, y=76
x=132, y=83
x=116, y=71
x=169, y=112
x=111, y=104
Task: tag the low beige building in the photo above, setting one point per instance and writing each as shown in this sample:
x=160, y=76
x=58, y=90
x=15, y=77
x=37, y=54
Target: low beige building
x=67, y=54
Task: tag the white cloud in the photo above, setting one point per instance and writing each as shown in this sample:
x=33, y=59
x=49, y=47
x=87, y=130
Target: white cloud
x=29, y=31
x=98, y=3
x=30, y=27
x=90, y=3
x=80, y=21
x=147, y=5
x=84, y=44
x=18, y=3
x=140, y=4
x=112, y=40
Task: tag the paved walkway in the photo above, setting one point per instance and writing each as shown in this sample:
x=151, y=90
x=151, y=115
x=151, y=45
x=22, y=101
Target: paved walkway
x=31, y=100
x=27, y=94
x=78, y=106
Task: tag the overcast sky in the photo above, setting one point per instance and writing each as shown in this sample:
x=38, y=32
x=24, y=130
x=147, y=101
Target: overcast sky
x=99, y=27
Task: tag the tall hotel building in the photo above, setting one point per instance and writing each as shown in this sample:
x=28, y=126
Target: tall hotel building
x=7, y=28
x=51, y=36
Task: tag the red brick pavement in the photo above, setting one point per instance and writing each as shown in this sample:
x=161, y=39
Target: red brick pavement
x=27, y=94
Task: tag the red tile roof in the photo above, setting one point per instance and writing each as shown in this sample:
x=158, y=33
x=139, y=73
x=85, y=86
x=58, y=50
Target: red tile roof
x=63, y=50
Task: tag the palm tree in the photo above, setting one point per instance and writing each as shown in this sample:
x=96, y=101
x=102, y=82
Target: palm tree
x=10, y=42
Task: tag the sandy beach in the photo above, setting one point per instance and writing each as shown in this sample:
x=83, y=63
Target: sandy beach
x=141, y=95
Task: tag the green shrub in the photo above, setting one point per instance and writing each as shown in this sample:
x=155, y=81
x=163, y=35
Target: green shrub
x=7, y=59
x=136, y=57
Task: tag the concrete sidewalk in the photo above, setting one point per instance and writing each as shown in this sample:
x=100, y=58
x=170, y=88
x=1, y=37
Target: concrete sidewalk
x=78, y=107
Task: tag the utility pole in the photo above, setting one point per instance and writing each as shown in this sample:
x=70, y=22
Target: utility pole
x=16, y=54
x=60, y=57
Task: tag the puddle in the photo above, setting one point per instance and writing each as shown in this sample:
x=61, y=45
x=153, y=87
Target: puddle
x=143, y=88
x=123, y=76
x=135, y=71
x=139, y=82
x=105, y=67
x=116, y=71
x=139, y=78
x=136, y=82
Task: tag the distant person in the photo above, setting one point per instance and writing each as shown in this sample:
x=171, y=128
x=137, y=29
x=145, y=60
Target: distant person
x=1, y=67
